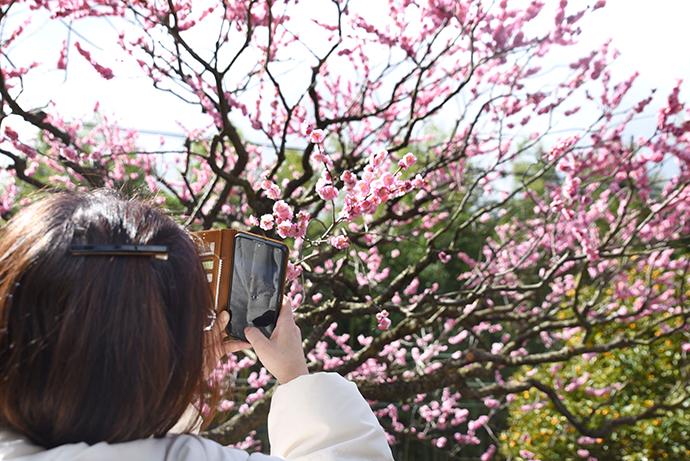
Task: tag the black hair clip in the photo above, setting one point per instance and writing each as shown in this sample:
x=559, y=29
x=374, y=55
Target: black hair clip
x=157, y=251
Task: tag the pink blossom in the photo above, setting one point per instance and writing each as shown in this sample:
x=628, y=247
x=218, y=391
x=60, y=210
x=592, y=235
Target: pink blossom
x=491, y=403
x=440, y=442
x=384, y=322
x=412, y=287
x=303, y=215
x=407, y=161
x=586, y=441
x=576, y=383
x=284, y=229
x=62, y=61
x=306, y=128
x=479, y=422
x=11, y=134
x=466, y=439
x=488, y=453
x=317, y=136
x=460, y=337
x=361, y=189
x=320, y=157
x=249, y=443
x=282, y=211
x=349, y=179
x=339, y=241
x=327, y=192
x=258, y=380
x=377, y=159
x=444, y=257
x=226, y=405
x=300, y=228
x=290, y=229
x=266, y=222
x=272, y=189
x=293, y=271
x=105, y=72
x=251, y=398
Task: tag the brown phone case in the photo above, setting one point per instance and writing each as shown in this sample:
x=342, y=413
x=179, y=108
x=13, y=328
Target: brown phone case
x=215, y=249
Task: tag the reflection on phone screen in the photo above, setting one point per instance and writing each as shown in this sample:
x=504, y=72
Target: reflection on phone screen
x=257, y=284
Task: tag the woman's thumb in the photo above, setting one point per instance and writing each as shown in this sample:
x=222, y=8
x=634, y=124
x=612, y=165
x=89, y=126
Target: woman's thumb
x=254, y=336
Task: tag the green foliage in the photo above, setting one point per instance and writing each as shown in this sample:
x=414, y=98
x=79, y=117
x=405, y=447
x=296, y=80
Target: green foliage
x=642, y=376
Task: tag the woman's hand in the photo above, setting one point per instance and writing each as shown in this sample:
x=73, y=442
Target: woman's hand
x=282, y=355
x=214, y=347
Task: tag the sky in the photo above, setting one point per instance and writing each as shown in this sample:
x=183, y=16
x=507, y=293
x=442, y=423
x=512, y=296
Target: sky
x=651, y=39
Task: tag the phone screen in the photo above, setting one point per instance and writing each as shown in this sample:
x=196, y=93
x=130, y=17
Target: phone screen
x=256, y=286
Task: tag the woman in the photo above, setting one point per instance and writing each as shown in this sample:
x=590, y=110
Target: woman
x=103, y=345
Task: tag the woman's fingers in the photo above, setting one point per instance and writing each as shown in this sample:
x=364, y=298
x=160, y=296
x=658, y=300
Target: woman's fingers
x=230, y=347
x=282, y=355
x=256, y=337
x=214, y=346
x=286, y=316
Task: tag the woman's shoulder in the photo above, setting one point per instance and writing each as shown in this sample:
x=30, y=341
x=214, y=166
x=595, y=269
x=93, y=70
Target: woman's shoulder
x=324, y=416
x=183, y=447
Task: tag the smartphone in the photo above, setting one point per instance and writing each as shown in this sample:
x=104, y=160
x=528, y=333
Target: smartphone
x=246, y=273
x=256, y=284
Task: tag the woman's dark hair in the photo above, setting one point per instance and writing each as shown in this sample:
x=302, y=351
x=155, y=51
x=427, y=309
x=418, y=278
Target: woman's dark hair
x=98, y=348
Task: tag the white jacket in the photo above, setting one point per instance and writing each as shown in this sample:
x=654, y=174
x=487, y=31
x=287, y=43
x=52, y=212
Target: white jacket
x=316, y=417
